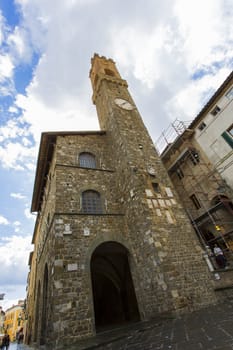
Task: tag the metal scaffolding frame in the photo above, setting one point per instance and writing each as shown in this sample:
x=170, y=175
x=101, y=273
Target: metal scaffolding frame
x=195, y=175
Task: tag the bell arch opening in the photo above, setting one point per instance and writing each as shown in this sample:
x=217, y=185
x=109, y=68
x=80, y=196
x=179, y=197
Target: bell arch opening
x=114, y=296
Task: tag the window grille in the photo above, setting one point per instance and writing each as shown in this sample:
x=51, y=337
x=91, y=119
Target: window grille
x=91, y=202
x=87, y=160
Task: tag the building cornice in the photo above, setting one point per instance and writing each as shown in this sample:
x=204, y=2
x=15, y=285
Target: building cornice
x=213, y=100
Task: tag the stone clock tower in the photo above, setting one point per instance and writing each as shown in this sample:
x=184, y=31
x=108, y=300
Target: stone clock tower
x=168, y=258
x=112, y=242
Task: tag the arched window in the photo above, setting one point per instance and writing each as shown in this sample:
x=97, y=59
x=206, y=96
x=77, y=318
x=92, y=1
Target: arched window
x=109, y=72
x=87, y=160
x=91, y=202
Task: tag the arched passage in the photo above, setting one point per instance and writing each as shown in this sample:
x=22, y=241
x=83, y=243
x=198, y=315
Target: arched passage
x=113, y=291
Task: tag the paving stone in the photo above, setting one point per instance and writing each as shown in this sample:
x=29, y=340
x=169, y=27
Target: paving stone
x=208, y=329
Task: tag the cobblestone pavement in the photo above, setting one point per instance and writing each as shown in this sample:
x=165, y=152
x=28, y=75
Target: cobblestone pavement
x=207, y=329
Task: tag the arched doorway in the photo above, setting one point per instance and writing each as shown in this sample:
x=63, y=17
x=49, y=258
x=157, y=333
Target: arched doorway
x=113, y=291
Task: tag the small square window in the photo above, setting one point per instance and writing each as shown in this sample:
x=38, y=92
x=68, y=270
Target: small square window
x=202, y=126
x=155, y=186
x=179, y=173
x=215, y=111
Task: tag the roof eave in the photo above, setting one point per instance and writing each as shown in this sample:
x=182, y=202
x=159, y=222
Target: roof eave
x=48, y=140
x=213, y=100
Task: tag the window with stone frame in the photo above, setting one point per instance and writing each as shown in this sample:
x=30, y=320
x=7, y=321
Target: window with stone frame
x=87, y=160
x=228, y=136
x=195, y=201
x=215, y=111
x=230, y=130
x=202, y=126
x=194, y=156
x=155, y=186
x=109, y=72
x=91, y=202
x=179, y=173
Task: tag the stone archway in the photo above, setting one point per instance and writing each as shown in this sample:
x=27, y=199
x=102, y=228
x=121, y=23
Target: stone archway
x=113, y=291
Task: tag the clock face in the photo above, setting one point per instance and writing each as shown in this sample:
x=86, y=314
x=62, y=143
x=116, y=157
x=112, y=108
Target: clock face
x=124, y=104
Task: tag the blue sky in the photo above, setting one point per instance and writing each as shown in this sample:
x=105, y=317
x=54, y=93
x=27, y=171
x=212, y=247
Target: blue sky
x=173, y=53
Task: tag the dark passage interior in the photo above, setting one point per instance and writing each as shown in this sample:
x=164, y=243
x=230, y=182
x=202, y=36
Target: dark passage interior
x=113, y=291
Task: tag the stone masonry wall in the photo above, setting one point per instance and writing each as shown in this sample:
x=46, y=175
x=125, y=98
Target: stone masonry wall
x=140, y=210
x=165, y=261
x=160, y=233
x=73, y=313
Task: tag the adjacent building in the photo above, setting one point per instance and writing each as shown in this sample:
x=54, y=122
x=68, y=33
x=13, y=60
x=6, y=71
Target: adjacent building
x=14, y=319
x=199, y=161
x=2, y=318
x=112, y=243
x=214, y=130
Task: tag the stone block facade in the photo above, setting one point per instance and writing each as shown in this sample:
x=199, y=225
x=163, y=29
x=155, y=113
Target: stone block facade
x=112, y=242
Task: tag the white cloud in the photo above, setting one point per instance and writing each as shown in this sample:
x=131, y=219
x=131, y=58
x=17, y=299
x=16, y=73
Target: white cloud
x=12, y=130
x=6, y=67
x=11, y=258
x=12, y=109
x=14, y=155
x=17, y=195
x=156, y=49
x=14, y=254
x=2, y=28
x=28, y=214
x=13, y=293
x=182, y=107
x=19, y=45
x=17, y=225
x=3, y=220
x=16, y=149
x=66, y=113
x=203, y=30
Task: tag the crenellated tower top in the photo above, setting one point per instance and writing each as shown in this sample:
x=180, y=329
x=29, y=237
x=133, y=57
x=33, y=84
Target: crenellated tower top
x=103, y=69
